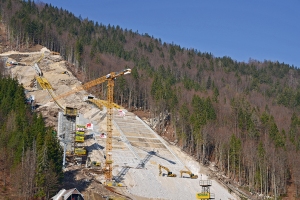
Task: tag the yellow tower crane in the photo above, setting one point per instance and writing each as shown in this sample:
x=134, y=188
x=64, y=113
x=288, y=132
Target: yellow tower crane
x=110, y=78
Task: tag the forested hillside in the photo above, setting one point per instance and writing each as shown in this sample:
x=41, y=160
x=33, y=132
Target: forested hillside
x=31, y=157
x=243, y=116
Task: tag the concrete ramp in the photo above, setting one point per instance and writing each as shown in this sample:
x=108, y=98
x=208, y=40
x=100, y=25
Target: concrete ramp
x=148, y=147
x=137, y=151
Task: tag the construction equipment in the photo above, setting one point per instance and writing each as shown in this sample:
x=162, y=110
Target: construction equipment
x=80, y=151
x=109, y=78
x=169, y=174
x=79, y=139
x=36, y=67
x=44, y=84
x=80, y=128
x=96, y=163
x=192, y=176
x=100, y=103
x=70, y=111
x=205, y=193
x=80, y=133
x=65, y=72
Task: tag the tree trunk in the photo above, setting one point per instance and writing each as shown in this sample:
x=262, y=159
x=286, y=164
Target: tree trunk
x=228, y=164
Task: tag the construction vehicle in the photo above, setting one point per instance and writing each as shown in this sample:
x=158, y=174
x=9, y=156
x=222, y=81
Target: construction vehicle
x=203, y=195
x=192, y=176
x=42, y=83
x=110, y=79
x=79, y=138
x=96, y=163
x=80, y=133
x=65, y=72
x=92, y=163
x=36, y=67
x=169, y=173
x=80, y=151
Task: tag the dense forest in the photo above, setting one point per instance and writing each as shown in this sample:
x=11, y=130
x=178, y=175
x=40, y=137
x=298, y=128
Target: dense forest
x=31, y=157
x=242, y=116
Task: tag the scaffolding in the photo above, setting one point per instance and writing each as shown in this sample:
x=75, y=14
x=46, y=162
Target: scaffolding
x=205, y=192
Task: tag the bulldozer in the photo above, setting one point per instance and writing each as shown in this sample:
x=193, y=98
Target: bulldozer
x=169, y=173
x=192, y=176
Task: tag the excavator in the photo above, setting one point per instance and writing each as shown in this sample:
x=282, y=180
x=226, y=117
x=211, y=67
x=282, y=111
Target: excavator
x=192, y=176
x=169, y=174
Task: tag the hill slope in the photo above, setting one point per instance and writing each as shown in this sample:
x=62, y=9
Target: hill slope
x=243, y=116
x=135, y=146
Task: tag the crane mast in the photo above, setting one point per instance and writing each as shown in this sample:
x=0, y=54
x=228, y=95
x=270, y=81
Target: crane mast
x=108, y=163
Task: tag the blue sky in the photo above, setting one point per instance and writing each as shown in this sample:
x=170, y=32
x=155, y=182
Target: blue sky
x=257, y=29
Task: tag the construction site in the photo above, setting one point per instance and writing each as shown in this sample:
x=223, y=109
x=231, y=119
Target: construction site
x=111, y=152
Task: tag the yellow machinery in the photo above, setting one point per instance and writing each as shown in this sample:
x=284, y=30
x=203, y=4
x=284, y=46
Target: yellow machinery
x=36, y=67
x=70, y=111
x=169, y=174
x=80, y=151
x=42, y=56
x=43, y=83
x=110, y=79
x=80, y=133
x=80, y=128
x=100, y=103
x=96, y=163
x=65, y=72
x=93, y=163
x=203, y=195
x=192, y=176
x=79, y=138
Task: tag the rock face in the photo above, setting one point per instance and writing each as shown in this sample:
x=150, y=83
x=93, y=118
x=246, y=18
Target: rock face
x=137, y=149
